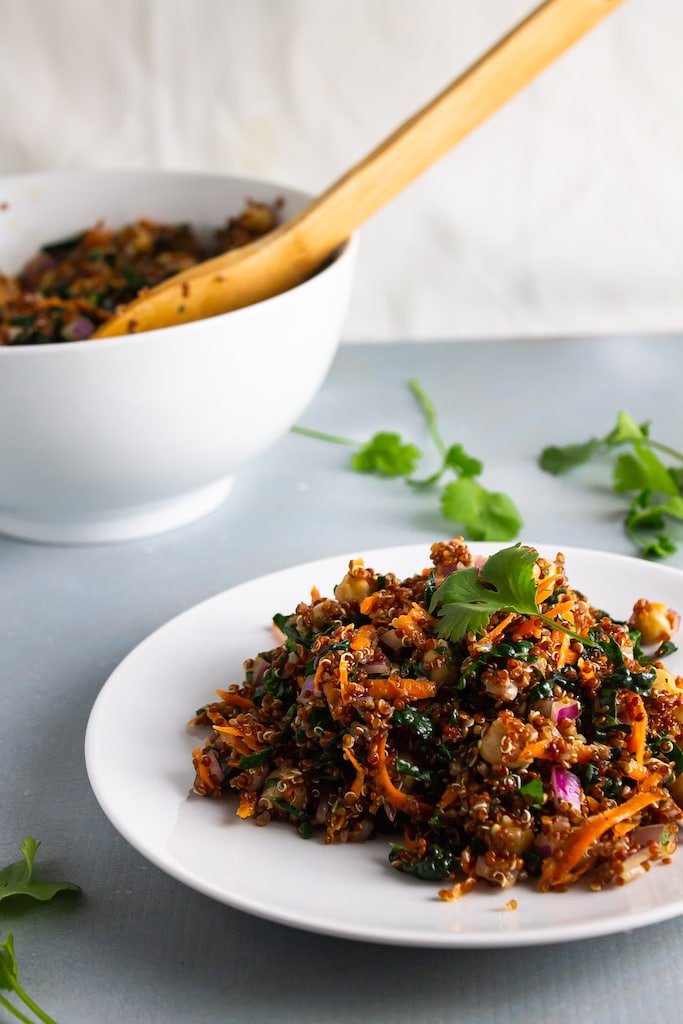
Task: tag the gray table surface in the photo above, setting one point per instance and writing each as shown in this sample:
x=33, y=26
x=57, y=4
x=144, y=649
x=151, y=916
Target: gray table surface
x=136, y=944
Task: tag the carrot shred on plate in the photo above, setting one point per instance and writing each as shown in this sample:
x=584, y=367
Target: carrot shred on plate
x=564, y=867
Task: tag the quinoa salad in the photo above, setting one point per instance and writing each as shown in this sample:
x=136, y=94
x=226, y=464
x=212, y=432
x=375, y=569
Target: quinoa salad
x=481, y=717
x=72, y=286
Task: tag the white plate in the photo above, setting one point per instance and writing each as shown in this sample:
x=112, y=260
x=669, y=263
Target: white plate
x=138, y=754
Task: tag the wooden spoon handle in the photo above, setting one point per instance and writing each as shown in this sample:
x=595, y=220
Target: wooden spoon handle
x=288, y=255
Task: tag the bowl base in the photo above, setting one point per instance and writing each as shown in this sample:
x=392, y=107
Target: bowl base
x=127, y=524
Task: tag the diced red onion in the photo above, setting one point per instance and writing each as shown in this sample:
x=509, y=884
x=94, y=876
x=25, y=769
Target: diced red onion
x=564, y=709
x=215, y=771
x=78, y=329
x=308, y=685
x=566, y=787
x=377, y=666
x=259, y=669
x=389, y=810
x=557, y=710
x=645, y=834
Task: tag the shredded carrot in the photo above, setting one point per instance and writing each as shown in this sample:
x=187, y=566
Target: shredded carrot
x=564, y=649
x=368, y=604
x=357, y=786
x=403, y=801
x=323, y=663
x=236, y=699
x=247, y=804
x=559, y=871
x=396, y=686
x=560, y=608
x=546, y=586
x=536, y=749
x=576, y=753
x=202, y=771
x=527, y=627
x=458, y=890
x=344, y=687
x=228, y=730
x=499, y=627
x=363, y=638
x=412, y=624
x=241, y=744
x=636, y=742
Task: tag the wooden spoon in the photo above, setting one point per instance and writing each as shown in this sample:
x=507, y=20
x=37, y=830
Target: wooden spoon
x=295, y=249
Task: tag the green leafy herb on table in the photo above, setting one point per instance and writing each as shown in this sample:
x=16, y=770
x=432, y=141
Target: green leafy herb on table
x=17, y=879
x=482, y=514
x=9, y=982
x=655, y=489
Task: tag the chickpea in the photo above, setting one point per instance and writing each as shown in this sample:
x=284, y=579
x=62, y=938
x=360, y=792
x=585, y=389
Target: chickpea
x=510, y=838
x=438, y=669
x=257, y=217
x=287, y=784
x=665, y=682
x=503, y=742
x=655, y=622
x=356, y=585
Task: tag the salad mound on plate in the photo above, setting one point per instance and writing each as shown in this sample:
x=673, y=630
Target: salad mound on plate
x=481, y=713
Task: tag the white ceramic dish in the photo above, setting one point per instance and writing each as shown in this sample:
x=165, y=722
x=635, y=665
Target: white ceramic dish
x=138, y=755
x=118, y=438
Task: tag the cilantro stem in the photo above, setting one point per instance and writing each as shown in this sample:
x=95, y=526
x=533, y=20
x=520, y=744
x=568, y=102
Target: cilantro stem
x=665, y=448
x=319, y=435
x=15, y=1012
x=554, y=624
x=430, y=413
x=34, y=1006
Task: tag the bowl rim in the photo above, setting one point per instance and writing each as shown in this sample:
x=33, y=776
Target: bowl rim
x=344, y=254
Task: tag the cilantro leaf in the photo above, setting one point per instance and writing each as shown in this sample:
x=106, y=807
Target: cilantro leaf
x=483, y=515
x=557, y=460
x=638, y=472
x=534, y=792
x=646, y=520
x=456, y=458
x=642, y=469
x=387, y=455
x=627, y=429
x=468, y=598
x=17, y=878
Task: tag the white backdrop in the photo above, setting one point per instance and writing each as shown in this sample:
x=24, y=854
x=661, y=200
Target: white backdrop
x=562, y=214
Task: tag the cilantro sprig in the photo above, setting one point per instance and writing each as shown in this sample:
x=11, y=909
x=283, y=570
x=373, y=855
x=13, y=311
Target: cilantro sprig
x=9, y=982
x=467, y=599
x=482, y=515
x=18, y=880
x=654, y=487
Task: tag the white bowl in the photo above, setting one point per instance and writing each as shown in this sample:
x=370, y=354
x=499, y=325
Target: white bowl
x=117, y=438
